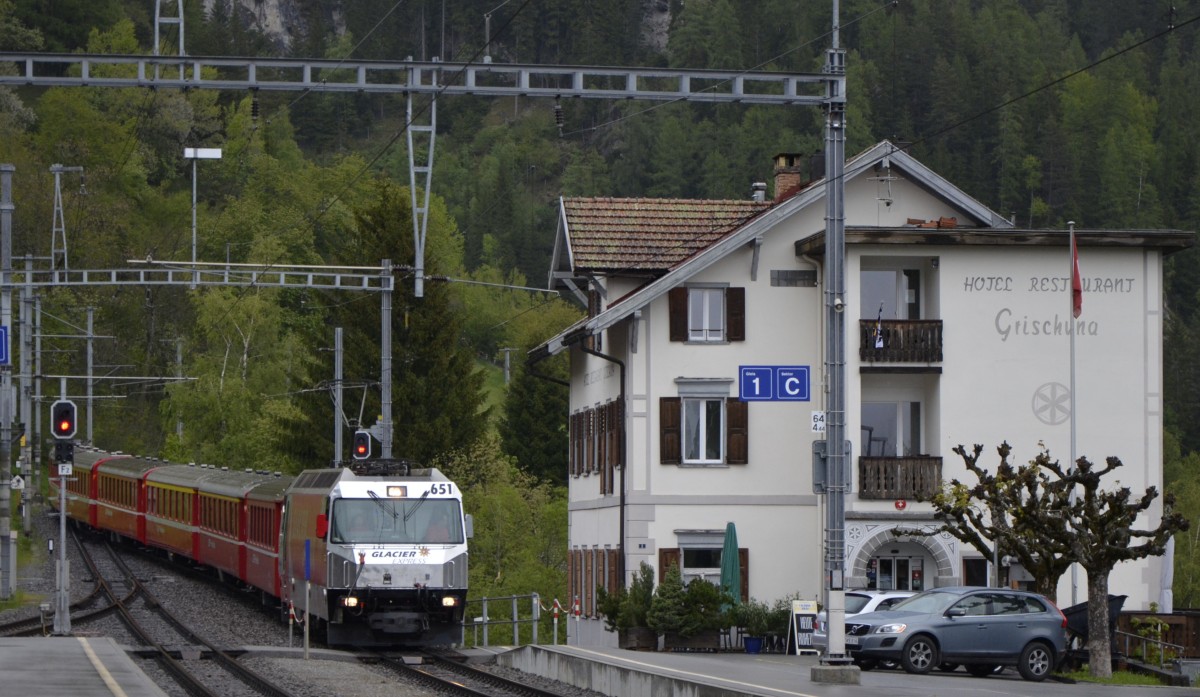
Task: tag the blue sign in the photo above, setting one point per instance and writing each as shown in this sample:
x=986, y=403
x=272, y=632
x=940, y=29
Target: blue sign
x=774, y=383
x=4, y=354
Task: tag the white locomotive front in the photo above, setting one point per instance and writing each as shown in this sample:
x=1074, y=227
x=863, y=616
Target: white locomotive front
x=383, y=558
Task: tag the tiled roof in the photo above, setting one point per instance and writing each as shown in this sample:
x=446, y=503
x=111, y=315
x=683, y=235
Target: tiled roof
x=648, y=234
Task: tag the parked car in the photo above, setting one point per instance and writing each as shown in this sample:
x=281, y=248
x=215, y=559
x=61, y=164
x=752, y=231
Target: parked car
x=857, y=602
x=980, y=628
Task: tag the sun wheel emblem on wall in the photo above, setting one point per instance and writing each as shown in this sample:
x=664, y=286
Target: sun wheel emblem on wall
x=1052, y=403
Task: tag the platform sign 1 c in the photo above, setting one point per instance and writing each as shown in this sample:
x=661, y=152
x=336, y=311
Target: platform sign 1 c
x=4, y=353
x=774, y=383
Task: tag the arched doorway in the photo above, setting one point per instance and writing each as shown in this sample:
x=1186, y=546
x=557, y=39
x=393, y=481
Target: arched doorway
x=887, y=561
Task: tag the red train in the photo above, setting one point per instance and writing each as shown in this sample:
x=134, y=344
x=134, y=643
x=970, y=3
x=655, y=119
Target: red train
x=383, y=556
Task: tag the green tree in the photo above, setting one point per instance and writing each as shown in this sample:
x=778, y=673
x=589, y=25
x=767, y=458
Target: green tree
x=534, y=428
x=668, y=609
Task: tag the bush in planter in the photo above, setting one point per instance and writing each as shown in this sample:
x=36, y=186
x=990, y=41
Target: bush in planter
x=753, y=617
x=624, y=610
x=687, y=616
x=705, y=608
x=627, y=608
x=669, y=605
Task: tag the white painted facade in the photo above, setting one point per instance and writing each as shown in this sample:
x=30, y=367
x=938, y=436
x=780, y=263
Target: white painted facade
x=1005, y=368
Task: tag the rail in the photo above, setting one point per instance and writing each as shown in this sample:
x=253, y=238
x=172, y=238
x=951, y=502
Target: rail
x=916, y=477
x=506, y=611
x=1149, y=650
x=900, y=340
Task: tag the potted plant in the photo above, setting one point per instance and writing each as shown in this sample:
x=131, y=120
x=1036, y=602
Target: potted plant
x=625, y=611
x=754, y=619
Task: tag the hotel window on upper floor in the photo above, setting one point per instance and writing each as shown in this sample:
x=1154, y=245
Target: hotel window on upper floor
x=707, y=313
x=703, y=425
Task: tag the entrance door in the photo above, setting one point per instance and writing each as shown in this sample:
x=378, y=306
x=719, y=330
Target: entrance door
x=896, y=573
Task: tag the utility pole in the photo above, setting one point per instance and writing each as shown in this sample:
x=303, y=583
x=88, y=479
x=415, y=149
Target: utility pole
x=835, y=660
x=338, y=415
x=8, y=545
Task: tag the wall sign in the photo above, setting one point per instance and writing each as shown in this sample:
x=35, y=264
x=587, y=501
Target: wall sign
x=773, y=383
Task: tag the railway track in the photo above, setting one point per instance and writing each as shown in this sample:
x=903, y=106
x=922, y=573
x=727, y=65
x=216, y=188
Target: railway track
x=451, y=676
x=154, y=626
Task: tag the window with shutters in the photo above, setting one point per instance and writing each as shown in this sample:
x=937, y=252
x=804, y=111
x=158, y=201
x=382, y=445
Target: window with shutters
x=703, y=431
x=707, y=314
x=596, y=443
x=700, y=558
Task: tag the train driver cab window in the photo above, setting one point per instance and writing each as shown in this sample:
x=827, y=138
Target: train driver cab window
x=396, y=521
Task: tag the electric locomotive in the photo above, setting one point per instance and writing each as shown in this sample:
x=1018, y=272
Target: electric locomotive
x=379, y=559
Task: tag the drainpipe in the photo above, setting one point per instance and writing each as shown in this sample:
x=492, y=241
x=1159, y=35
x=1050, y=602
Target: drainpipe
x=624, y=463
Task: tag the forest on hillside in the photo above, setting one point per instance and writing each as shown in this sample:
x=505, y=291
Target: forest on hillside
x=1046, y=111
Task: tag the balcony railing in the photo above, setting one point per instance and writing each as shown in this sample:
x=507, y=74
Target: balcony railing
x=900, y=340
x=918, y=477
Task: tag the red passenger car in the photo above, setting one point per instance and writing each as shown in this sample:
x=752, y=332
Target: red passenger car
x=172, y=508
x=120, y=495
x=81, y=485
x=264, y=510
x=224, y=519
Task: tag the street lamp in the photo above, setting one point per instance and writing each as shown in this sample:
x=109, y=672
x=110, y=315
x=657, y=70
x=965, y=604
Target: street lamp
x=194, y=154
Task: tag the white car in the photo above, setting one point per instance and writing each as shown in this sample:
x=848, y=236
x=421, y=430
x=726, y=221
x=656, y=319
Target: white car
x=857, y=602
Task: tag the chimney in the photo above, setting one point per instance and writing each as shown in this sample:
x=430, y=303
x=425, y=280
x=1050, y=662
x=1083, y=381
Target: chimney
x=789, y=174
x=758, y=191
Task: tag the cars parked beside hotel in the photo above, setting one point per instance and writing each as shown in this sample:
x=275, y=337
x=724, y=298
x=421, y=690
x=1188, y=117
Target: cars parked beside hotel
x=980, y=628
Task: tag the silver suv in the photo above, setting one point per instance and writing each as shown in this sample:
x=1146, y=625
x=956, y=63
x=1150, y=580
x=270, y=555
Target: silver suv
x=857, y=602
x=981, y=628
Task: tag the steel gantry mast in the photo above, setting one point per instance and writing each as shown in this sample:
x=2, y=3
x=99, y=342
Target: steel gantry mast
x=429, y=79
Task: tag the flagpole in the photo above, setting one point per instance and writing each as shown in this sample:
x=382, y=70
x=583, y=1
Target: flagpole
x=1075, y=280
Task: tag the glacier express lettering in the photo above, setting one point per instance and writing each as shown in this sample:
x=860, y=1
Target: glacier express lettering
x=399, y=554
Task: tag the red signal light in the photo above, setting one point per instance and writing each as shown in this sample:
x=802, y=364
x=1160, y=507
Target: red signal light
x=62, y=418
x=361, y=447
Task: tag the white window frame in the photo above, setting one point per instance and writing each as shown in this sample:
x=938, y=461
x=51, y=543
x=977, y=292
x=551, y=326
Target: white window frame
x=706, y=315
x=692, y=540
x=703, y=437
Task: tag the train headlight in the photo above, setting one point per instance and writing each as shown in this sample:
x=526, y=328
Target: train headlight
x=449, y=601
x=349, y=601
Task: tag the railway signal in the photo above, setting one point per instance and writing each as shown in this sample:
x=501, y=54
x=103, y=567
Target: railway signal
x=361, y=448
x=62, y=419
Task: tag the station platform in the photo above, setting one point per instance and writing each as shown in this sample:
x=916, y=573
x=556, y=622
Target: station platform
x=623, y=673
x=76, y=666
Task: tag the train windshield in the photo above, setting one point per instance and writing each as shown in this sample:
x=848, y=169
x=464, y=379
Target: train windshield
x=396, y=521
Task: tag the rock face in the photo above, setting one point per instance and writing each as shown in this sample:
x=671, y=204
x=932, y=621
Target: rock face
x=280, y=20
x=283, y=23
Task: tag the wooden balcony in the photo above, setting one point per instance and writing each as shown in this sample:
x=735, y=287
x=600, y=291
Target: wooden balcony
x=917, y=478
x=900, y=341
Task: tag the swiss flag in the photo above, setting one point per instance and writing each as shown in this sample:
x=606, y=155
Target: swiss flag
x=1076, y=282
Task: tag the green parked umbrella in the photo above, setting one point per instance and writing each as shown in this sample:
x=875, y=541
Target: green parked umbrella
x=731, y=567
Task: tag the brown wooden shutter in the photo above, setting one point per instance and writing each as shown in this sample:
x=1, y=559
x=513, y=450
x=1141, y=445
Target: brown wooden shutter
x=614, y=576
x=666, y=557
x=735, y=313
x=589, y=581
x=744, y=565
x=670, y=436
x=677, y=306
x=576, y=437
x=737, y=438
x=593, y=419
x=602, y=443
